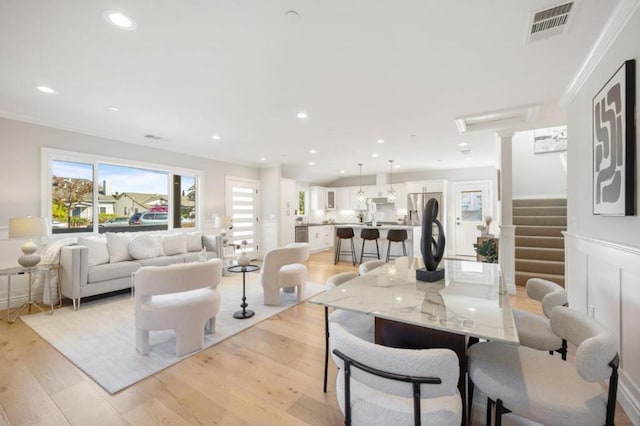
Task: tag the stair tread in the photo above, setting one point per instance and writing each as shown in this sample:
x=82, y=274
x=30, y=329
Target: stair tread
x=539, y=260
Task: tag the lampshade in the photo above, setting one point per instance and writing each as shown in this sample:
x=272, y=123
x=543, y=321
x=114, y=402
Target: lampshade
x=28, y=227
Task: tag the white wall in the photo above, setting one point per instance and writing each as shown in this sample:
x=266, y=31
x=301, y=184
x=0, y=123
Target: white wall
x=536, y=175
x=603, y=253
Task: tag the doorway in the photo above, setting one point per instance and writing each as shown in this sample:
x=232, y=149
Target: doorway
x=242, y=205
x=472, y=204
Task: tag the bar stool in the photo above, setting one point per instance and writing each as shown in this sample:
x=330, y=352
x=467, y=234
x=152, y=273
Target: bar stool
x=371, y=235
x=396, y=236
x=344, y=234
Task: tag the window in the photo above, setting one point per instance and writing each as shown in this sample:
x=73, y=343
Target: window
x=129, y=197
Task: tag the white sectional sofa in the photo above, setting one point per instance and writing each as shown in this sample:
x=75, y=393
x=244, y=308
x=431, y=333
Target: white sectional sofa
x=101, y=264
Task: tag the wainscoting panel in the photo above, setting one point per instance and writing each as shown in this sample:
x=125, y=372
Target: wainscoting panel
x=603, y=280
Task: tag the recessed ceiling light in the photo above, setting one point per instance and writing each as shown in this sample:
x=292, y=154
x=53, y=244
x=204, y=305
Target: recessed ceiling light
x=397, y=166
x=311, y=163
x=114, y=108
x=302, y=115
x=292, y=15
x=119, y=20
x=341, y=171
x=463, y=144
x=469, y=158
x=46, y=89
x=312, y=151
x=215, y=137
x=380, y=141
x=374, y=155
x=263, y=159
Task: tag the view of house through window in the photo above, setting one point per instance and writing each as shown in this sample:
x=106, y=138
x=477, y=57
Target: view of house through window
x=129, y=198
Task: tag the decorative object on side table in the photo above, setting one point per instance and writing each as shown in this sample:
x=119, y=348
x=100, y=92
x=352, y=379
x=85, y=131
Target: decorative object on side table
x=484, y=228
x=243, y=259
x=27, y=227
x=614, y=145
x=487, y=249
x=431, y=246
x=244, y=313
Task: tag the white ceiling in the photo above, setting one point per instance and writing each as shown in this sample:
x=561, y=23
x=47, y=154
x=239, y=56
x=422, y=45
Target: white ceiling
x=363, y=70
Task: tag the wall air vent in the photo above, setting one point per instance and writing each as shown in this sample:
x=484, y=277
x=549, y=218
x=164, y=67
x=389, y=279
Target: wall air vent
x=550, y=22
x=154, y=137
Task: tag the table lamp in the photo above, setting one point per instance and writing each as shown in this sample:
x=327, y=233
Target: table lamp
x=27, y=227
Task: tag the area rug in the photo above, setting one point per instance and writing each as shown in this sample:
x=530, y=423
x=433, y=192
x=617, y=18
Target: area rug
x=99, y=338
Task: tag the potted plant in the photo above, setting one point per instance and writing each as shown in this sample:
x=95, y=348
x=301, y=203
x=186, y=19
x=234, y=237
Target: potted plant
x=487, y=250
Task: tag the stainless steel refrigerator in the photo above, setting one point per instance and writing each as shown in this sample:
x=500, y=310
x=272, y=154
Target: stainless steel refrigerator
x=416, y=203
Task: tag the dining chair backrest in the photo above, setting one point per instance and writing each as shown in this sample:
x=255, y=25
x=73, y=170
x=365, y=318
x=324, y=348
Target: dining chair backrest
x=339, y=279
x=548, y=293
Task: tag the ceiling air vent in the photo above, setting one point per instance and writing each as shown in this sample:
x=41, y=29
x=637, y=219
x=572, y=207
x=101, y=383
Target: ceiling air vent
x=154, y=137
x=550, y=22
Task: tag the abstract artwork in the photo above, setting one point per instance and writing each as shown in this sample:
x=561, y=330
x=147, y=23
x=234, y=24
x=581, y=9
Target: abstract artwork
x=613, y=110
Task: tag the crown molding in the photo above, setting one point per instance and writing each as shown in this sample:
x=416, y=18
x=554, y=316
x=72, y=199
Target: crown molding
x=616, y=23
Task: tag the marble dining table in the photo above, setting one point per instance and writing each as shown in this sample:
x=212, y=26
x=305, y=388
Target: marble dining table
x=469, y=304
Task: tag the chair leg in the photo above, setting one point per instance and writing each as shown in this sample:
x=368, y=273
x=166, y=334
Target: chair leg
x=377, y=249
x=404, y=248
x=388, y=252
x=470, y=388
x=354, y=257
x=142, y=341
x=326, y=346
x=500, y=410
x=337, y=256
x=563, y=350
x=210, y=325
x=362, y=251
x=489, y=405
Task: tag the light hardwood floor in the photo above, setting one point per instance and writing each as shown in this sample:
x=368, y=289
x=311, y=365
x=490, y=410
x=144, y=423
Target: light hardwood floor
x=270, y=374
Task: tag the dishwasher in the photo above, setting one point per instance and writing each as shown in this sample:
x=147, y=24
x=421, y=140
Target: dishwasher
x=302, y=234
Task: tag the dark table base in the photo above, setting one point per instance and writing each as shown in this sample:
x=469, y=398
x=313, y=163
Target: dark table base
x=243, y=314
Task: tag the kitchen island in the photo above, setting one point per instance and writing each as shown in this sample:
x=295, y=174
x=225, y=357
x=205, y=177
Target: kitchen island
x=412, y=243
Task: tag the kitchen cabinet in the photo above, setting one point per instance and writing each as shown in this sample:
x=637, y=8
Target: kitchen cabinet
x=318, y=198
x=331, y=199
x=288, y=211
x=401, y=196
x=426, y=186
x=320, y=237
x=343, y=199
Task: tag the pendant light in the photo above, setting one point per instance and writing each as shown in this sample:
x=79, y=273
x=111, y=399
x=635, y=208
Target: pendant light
x=361, y=196
x=391, y=193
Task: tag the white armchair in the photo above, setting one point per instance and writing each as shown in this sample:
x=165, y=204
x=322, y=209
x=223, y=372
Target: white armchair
x=282, y=269
x=182, y=297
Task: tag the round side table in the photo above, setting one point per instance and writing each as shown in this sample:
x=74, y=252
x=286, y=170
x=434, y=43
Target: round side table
x=244, y=313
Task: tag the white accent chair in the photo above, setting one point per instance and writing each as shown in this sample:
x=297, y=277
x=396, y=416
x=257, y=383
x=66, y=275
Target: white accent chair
x=182, y=297
x=282, y=268
x=369, y=266
x=531, y=384
x=380, y=385
x=534, y=330
x=358, y=324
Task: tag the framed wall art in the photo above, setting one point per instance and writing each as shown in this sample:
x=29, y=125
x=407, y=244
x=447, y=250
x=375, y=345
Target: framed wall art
x=551, y=139
x=613, y=113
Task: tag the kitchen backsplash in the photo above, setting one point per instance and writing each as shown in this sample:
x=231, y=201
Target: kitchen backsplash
x=386, y=213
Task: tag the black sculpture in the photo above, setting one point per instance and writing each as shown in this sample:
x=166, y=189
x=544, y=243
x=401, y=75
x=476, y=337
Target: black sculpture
x=432, y=248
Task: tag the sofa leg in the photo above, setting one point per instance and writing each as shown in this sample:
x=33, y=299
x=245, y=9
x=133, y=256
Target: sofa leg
x=76, y=304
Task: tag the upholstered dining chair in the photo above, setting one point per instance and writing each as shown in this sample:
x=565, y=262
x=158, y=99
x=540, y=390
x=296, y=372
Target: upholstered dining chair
x=358, y=324
x=282, y=268
x=182, y=297
x=380, y=385
x=369, y=266
x=534, y=330
x=545, y=389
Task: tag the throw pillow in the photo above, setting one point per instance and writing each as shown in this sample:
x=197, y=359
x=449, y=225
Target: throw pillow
x=194, y=241
x=98, y=251
x=145, y=246
x=118, y=245
x=174, y=244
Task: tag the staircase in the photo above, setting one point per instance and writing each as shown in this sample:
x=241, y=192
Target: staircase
x=539, y=240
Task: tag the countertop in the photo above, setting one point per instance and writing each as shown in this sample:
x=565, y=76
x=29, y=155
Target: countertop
x=360, y=225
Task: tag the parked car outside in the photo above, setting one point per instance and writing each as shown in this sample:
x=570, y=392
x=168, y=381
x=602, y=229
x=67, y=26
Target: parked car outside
x=56, y=224
x=149, y=218
x=116, y=221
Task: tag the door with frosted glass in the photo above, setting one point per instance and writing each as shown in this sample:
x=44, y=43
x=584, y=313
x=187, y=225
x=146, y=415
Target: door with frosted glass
x=472, y=206
x=242, y=202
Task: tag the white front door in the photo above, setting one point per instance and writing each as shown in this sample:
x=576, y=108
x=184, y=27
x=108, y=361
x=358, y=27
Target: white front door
x=473, y=204
x=242, y=205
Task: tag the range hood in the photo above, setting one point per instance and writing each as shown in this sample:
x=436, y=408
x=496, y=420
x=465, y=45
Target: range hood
x=380, y=200
x=381, y=179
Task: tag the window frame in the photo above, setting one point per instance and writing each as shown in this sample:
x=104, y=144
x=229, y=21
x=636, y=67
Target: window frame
x=48, y=155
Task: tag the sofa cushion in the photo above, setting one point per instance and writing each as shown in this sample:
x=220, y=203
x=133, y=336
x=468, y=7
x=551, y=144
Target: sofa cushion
x=194, y=241
x=112, y=271
x=174, y=244
x=145, y=246
x=118, y=245
x=162, y=260
x=98, y=253
x=195, y=256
